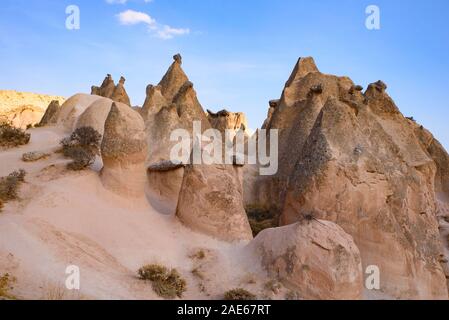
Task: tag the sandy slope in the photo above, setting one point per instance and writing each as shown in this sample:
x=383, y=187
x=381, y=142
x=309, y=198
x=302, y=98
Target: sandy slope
x=66, y=218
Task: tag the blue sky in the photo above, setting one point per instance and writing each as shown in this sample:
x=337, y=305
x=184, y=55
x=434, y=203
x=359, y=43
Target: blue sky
x=238, y=53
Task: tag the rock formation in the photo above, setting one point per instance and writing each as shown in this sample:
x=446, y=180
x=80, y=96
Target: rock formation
x=315, y=258
x=124, y=150
x=108, y=89
x=225, y=120
x=165, y=180
x=23, y=109
x=119, y=94
x=211, y=202
x=72, y=109
x=173, y=80
x=352, y=158
x=95, y=115
x=51, y=114
x=154, y=102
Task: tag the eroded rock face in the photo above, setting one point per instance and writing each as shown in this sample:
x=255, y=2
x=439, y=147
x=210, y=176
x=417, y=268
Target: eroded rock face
x=124, y=150
x=352, y=158
x=211, y=202
x=119, y=94
x=51, y=114
x=165, y=180
x=316, y=258
x=108, y=89
x=173, y=80
x=225, y=120
x=95, y=115
x=73, y=108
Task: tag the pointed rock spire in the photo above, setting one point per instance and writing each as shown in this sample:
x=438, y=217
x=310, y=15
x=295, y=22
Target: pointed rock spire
x=119, y=94
x=303, y=67
x=51, y=114
x=173, y=80
x=154, y=101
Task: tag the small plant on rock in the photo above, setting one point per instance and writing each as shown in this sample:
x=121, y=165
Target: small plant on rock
x=166, y=283
x=239, y=294
x=6, y=284
x=12, y=137
x=82, y=146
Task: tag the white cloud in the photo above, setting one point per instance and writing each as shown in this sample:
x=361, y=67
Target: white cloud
x=118, y=1
x=168, y=32
x=130, y=17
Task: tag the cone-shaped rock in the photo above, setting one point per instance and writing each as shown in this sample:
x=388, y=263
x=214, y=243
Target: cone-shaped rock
x=153, y=102
x=119, y=94
x=173, y=80
x=124, y=150
x=51, y=114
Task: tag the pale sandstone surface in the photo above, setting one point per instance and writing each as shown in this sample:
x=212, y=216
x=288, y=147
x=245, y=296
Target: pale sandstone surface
x=315, y=258
x=211, y=202
x=124, y=151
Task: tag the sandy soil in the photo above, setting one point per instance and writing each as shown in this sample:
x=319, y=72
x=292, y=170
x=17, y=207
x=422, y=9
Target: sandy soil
x=67, y=218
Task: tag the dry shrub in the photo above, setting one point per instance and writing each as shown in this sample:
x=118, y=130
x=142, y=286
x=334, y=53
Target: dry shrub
x=239, y=294
x=82, y=146
x=261, y=219
x=6, y=284
x=12, y=137
x=166, y=283
x=9, y=186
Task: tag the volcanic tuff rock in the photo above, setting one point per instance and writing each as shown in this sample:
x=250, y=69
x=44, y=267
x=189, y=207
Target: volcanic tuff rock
x=51, y=114
x=173, y=80
x=225, y=120
x=108, y=89
x=352, y=158
x=315, y=258
x=211, y=202
x=124, y=150
x=22, y=109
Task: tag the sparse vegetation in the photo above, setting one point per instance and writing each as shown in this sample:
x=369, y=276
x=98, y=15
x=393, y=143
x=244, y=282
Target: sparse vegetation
x=166, y=283
x=273, y=286
x=239, y=294
x=9, y=186
x=12, y=137
x=199, y=255
x=82, y=146
x=6, y=285
x=197, y=273
x=260, y=219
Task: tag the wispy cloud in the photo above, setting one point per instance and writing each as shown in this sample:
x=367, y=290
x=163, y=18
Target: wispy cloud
x=168, y=32
x=165, y=32
x=130, y=17
x=118, y=1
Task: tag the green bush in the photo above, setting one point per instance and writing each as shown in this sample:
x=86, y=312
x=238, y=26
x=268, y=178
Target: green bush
x=12, y=137
x=82, y=146
x=239, y=294
x=166, y=283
